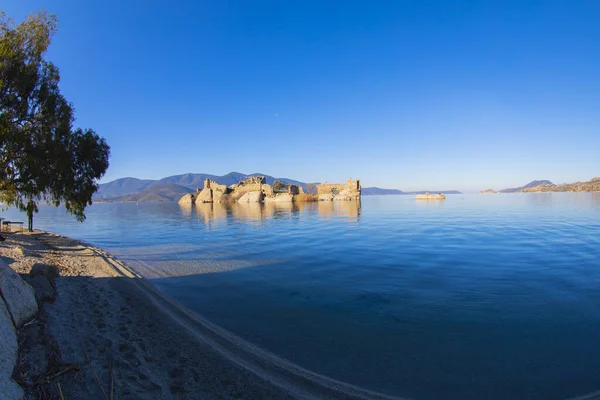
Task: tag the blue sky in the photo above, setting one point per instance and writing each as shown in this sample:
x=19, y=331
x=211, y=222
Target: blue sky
x=401, y=94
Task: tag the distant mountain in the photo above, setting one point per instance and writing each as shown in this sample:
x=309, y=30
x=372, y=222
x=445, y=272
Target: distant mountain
x=132, y=189
x=592, y=186
x=155, y=192
x=121, y=187
x=375, y=191
x=529, y=185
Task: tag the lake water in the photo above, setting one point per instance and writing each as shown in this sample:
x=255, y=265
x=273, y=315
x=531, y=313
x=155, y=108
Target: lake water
x=477, y=296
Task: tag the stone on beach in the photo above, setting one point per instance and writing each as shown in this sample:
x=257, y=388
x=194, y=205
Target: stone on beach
x=9, y=390
x=42, y=287
x=18, y=295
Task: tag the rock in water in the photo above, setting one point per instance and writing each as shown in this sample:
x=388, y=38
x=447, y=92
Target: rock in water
x=205, y=196
x=280, y=198
x=251, y=197
x=187, y=200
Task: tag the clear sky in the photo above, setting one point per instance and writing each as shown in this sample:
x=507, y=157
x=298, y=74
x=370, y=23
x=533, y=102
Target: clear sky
x=410, y=95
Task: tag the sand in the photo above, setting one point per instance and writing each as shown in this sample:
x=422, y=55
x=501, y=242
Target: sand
x=107, y=333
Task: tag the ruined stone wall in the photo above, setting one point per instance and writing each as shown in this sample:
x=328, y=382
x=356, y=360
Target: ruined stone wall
x=328, y=188
x=338, y=191
x=253, y=180
x=353, y=185
x=214, y=192
x=208, y=184
x=254, y=187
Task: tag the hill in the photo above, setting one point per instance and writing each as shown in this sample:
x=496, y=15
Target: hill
x=155, y=192
x=133, y=189
x=529, y=185
x=592, y=186
x=121, y=187
x=375, y=191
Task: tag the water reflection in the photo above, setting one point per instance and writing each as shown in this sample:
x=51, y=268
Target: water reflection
x=214, y=212
x=186, y=210
x=350, y=209
x=211, y=212
x=540, y=199
x=596, y=200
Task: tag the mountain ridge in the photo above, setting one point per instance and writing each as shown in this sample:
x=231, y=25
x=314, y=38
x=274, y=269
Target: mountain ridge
x=172, y=188
x=529, y=185
x=593, y=185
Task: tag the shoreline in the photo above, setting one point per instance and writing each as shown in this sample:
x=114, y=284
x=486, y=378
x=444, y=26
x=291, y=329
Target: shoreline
x=126, y=336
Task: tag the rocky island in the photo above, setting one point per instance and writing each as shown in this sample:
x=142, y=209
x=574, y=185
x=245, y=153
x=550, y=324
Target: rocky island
x=592, y=186
x=489, y=191
x=428, y=196
x=255, y=190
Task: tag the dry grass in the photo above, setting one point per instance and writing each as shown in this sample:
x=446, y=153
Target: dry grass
x=305, y=198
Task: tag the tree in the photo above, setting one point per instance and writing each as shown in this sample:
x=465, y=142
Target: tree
x=279, y=187
x=310, y=188
x=42, y=157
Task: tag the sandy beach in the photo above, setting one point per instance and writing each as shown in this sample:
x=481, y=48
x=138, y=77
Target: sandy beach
x=103, y=332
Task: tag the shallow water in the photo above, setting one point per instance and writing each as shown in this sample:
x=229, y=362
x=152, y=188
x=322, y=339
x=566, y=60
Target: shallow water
x=493, y=296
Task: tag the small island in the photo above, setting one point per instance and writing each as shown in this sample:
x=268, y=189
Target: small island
x=255, y=190
x=489, y=191
x=429, y=196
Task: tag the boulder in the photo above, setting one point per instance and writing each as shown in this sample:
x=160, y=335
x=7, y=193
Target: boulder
x=42, y=287
x=280, y=198
x=18, y=295
x=9, y=390
x=218, y=195
x=187, y=200
x=205, y=196
x=49, y=271
x=326, y=197
x=251, y=197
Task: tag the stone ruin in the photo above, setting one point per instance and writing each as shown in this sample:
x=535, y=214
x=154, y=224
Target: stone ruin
x=255, y=190
x=339, y=191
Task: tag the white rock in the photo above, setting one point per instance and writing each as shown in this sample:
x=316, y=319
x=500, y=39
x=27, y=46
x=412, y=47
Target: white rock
x=326, y=197
x=217, y=195
x=280, y=198
x=205, y=196
x=251, y=197
x=187, y=200
x=18, y=295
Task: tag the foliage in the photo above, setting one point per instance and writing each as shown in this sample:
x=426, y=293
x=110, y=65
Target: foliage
x=42, y=157
x=279, y=187
x=305, y=198
x=310, y=188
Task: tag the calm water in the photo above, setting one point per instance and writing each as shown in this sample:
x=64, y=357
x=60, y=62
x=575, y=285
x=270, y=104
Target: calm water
x=475, y=297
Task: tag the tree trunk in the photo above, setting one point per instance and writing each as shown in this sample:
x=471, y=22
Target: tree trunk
x=29, y=219
x=30, y=209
